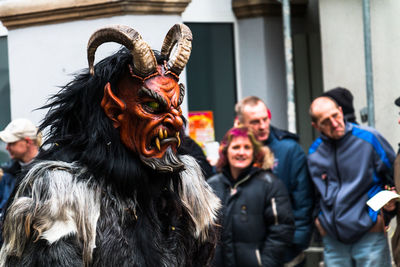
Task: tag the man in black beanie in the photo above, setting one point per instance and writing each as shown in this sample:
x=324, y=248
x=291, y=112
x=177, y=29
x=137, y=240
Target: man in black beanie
x=343, y=98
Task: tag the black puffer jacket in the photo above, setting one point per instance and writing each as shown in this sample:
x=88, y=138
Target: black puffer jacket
x=256, y=218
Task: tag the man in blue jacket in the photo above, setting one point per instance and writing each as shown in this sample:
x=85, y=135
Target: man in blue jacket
x=290, y=166
x=349, y=164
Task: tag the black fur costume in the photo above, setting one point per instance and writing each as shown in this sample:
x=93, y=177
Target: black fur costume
x=87, y=200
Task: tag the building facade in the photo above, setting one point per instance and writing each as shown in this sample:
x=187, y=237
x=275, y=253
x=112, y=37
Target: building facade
x=238, y=50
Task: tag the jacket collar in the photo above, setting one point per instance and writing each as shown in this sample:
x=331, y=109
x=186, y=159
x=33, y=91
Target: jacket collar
x=347, y=132
x=279, y=134
x=228, y=177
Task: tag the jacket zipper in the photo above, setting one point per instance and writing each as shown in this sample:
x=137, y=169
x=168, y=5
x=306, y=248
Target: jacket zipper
x=326, y=187
x=240, y=182
x=233, y=189
x=340, y=185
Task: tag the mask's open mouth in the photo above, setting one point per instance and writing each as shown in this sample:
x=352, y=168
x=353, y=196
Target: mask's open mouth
x=163, y=138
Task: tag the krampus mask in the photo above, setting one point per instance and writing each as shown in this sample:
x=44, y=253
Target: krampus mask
x=147, y=109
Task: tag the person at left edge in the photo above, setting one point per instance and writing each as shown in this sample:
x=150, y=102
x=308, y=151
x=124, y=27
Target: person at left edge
x=256, y=218
x=23, y=142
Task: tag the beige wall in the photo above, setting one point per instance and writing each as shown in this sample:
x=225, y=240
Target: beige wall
x=342, y=41
x=209, y=11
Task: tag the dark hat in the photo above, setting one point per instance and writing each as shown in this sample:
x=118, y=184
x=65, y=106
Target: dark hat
x=343, y=97
x=397, y=101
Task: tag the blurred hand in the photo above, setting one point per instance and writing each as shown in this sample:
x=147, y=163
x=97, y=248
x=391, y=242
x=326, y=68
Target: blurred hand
x=390, y=206
x=321, y=230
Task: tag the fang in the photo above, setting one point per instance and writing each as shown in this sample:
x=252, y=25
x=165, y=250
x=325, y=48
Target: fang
x=158, y=144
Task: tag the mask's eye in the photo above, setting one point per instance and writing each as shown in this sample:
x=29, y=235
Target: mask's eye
x=152, y=106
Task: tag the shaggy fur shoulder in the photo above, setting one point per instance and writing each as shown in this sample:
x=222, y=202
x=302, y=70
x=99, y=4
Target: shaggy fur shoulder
x=52, y=203
x=61, y=205
x=198, y=197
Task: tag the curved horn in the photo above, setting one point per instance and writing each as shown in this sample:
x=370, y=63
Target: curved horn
x=180, y=35
x=144, y=61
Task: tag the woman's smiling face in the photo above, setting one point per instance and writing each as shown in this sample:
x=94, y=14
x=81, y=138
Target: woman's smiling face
x=240, y=153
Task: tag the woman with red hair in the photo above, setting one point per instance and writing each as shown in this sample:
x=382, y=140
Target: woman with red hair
x=256, y=218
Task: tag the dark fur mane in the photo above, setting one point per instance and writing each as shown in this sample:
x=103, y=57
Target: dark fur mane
x=78, y=129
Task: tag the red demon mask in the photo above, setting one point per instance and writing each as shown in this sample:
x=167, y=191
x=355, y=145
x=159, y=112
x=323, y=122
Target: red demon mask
x=146, y=109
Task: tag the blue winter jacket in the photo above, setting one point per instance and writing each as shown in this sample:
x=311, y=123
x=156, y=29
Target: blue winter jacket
x=291, y=168
x=7, y=185
x=347, y=172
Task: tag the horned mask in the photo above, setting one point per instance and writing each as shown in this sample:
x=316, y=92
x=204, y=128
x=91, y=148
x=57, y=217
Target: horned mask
x=146, y=109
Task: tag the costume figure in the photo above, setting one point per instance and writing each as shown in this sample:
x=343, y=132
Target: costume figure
x=108, y=188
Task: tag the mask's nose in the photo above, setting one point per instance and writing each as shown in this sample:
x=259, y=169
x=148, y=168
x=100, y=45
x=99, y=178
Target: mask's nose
x=174, y=120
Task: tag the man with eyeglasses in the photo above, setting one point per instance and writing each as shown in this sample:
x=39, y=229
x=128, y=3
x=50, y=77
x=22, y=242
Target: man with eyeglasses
x=349, y=164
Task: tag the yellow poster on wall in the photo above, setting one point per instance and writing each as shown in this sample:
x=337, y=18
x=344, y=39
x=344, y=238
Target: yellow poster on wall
x=201, y=127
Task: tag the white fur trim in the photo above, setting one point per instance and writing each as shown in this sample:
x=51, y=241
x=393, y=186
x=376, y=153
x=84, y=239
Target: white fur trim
x=59, y=230
x=60, y=205
x=198, y=197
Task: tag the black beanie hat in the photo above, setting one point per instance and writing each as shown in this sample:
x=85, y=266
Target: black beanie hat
x=397, y=101
x=343, y=97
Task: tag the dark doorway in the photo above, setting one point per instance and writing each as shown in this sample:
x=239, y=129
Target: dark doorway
x=5, y=113
x=211, y=78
